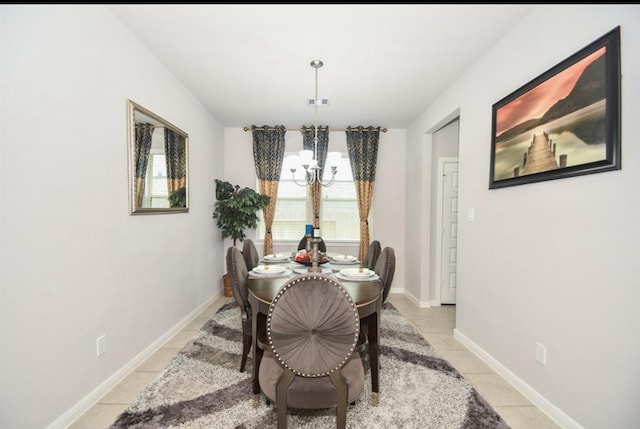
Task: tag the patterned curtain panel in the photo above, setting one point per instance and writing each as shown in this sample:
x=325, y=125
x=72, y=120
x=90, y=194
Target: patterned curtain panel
x=323, y=147
x=175, y=149
x=362, y=145
x=144, y=132
x=268, y=154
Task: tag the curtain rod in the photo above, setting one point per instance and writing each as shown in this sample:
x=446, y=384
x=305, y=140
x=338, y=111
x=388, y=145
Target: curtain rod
x=384, y=130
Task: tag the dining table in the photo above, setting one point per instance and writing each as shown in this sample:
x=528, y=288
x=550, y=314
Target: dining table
x=366, y=293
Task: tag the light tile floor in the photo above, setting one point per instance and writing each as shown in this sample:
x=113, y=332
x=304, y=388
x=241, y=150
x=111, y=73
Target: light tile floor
x=436, y=324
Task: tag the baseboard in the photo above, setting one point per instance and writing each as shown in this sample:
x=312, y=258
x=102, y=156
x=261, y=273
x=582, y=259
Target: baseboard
x=554, y=413
x=80, y=408
x=412, y=298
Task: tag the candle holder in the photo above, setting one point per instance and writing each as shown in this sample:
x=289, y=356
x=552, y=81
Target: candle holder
x=315, y=256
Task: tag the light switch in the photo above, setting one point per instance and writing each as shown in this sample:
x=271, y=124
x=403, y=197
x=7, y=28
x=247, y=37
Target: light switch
x=471, y=214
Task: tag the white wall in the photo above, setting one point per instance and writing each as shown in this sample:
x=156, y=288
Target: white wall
x=388, y=194
x=551, y=262
x=74, y=263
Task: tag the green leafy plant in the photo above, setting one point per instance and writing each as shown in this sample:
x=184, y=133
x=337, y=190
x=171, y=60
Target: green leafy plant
x=236, y=209
x=178, y=198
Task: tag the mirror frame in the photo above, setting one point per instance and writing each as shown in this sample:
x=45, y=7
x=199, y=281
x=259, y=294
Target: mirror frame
x=132, y=108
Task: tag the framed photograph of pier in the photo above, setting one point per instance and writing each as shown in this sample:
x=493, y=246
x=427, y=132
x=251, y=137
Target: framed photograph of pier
x=564, y=123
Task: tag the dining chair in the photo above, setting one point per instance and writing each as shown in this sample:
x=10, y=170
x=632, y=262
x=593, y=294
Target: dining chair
x=238, y=274
x=321, y=246
x=371, y=257
x=309, y=360
x=250, y=254
x=386, y=268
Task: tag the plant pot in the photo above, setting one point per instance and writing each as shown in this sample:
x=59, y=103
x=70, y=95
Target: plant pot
x=228, y=292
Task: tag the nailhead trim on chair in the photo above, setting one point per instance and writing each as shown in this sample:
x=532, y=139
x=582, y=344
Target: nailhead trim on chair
x=351, y=303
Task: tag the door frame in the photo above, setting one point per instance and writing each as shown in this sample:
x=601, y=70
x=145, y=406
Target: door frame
x=438, y=232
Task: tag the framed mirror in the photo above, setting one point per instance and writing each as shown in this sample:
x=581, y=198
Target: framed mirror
x=158, y=164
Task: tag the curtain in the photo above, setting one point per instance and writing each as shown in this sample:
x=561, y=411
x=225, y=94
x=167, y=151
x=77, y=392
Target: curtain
x=268, y=154
x=323, y=147
x=143, y=135
x=175, y=151
x=362, y=146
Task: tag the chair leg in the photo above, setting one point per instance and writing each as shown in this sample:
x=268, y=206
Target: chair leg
x=342, y=392
x=246, y=346
x=281, y=397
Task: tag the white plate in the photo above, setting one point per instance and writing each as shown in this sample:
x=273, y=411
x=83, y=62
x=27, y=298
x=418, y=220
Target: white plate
x=285, y=273
x=269, y=269
x=344, y=262
x=345, y=259
x=357, y=279
x=357, y=272
x=278, y=257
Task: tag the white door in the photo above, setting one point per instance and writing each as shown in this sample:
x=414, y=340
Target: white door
x=449, y=232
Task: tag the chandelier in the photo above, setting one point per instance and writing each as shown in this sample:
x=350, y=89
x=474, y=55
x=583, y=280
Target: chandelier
x=308, y=159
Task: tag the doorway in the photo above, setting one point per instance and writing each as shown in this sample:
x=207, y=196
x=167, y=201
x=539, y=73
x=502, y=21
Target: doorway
x=448, y=229
x=444, y=211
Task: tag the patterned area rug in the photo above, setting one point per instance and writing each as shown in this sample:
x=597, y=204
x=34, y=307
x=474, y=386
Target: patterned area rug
x=202, y=387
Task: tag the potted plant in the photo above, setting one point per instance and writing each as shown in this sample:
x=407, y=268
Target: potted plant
x=236, y=209
x=178, y=198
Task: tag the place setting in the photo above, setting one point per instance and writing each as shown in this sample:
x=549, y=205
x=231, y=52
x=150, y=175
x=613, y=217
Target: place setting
x=276, y=258
x=357, y=274
x=269, y=270
x=344, y=260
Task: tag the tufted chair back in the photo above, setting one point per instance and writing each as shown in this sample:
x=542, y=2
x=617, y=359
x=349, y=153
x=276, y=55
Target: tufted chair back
x=250, y=254
x=322, y=246
x=386, y=268
x=373, y=252
x=238, y=274
x=312, y=330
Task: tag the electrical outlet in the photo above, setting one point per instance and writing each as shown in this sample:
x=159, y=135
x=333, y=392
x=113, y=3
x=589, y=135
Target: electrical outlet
x=101, y=345
x=541, y=353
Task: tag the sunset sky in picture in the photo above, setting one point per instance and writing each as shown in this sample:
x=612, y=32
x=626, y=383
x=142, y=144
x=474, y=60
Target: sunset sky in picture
x=535, y=102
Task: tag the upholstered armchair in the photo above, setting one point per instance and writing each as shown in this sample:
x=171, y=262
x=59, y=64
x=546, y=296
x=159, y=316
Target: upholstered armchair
x=238, y=274
x=309, y=360
x=386, y=267
x=322, y=246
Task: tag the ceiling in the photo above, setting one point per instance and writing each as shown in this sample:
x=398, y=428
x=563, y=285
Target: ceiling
x=384, y=65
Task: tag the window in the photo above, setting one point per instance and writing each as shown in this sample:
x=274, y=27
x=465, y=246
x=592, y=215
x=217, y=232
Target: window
x=156, y=189
x=339, y=219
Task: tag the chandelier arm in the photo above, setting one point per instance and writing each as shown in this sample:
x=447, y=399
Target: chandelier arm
x=293, y=177
x=330, y=181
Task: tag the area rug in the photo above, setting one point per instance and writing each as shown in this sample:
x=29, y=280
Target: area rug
x=202, y=387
